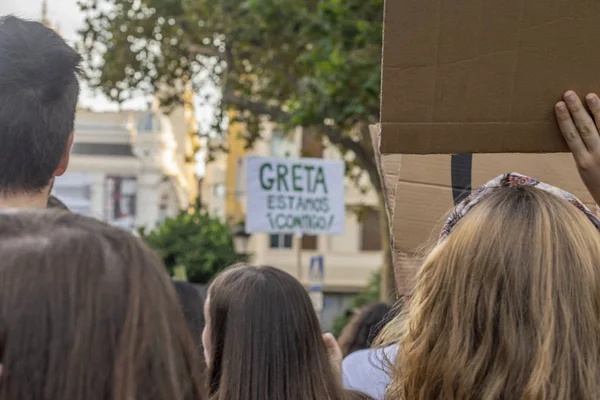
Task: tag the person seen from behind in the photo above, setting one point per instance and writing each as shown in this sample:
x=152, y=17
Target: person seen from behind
x=38, y=98
x=87, y=311
x=364, y=327
x=263, y=340
x=192, y=305
x=507, y=304
x=364, y=368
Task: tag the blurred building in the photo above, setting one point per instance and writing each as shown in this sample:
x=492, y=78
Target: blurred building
x=131, y=169
x=350, y=259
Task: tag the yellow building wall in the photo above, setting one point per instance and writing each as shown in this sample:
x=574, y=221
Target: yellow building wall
x=191, y=143
x=235, y=143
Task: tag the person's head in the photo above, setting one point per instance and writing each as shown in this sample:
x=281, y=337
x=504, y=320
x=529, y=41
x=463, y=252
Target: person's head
x=263, y=340
x=192, y=305
x=506, y=306
x=38, y=98
x=88, y=312
x=364, y=327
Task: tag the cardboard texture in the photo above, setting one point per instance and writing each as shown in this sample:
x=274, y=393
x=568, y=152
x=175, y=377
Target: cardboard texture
x=389, y=172
x=389, y=168
x=423, y=196
x=483, y=76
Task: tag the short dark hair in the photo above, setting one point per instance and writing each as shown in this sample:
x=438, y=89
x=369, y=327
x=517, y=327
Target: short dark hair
x=38, y=99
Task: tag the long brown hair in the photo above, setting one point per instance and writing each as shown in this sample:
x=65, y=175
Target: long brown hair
x=508, y=307
x=266, y=341
x=88, y=312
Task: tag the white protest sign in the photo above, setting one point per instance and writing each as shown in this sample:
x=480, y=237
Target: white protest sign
x=302, y=196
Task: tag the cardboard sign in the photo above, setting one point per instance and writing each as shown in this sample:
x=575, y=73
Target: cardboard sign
x=303, y=196
x=483, y=76
x=423, y=196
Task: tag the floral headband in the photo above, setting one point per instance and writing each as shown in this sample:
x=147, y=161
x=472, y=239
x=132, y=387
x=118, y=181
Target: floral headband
x=505, y=181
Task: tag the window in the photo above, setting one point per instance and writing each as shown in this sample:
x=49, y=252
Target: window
x=280, y=241
x=310, y=242
x=219, y=189
x=370, y=232
x=121, y=201
x=282, y=144
x=312, y=145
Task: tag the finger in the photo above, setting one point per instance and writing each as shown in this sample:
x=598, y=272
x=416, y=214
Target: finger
x=569, y=131
x=583, y=121
x=330, y=341
x=334, y=352
x=593, y=103
x=333, y=348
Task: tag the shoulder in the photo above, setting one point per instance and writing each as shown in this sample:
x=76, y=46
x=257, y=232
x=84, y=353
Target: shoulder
x=55, y=203
x=358, y=357
x=376, y=357
x=368, y=370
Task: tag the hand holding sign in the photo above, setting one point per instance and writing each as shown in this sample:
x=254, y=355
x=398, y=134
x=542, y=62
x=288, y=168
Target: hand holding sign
x=580, y=130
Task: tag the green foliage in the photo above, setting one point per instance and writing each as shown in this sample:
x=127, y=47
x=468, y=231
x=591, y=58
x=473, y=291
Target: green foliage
x=371, y=294
x=195, y=240
x=309, y=63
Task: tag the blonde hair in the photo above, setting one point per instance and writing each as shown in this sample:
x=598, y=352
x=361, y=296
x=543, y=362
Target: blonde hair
x=508, y=307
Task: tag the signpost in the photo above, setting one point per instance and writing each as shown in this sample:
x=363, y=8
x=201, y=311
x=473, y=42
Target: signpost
x=316, y=275
x=303, y=196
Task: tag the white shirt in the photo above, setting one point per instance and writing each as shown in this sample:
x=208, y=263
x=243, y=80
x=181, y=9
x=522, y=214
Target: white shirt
x=368, y=371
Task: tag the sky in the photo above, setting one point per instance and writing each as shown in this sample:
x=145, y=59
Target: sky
x=64, y=13
x=66, y=16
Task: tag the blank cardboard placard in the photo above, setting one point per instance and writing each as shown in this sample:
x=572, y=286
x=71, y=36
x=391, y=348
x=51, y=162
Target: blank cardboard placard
x=483, y=76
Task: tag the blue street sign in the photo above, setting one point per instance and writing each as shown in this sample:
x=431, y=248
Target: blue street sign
x=316, y=274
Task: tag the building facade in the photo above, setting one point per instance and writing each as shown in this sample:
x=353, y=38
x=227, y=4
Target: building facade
x=131, y=169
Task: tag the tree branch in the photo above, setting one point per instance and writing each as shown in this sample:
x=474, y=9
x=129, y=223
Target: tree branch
x=364, y=154
x=199, y=49
x=255, y=107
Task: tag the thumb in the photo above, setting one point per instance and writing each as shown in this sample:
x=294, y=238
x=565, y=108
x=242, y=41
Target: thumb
x=334, y=352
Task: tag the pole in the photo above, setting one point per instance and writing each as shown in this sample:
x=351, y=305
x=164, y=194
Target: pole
x=299, y=274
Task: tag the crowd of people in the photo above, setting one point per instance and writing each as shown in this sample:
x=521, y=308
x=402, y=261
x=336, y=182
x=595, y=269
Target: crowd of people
x=506, y=305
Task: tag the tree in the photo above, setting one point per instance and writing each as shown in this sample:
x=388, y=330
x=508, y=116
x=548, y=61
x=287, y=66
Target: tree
x=309, y=63
x=195, y=240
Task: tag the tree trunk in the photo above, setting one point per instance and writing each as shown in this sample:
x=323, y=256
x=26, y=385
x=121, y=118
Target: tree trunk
x=367, y=152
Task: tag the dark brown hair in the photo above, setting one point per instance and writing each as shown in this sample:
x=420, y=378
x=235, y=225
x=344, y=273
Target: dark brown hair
x=364, y=327
x=266, y=341
x=38, y=93
x=192, y=305
x=88, y=312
